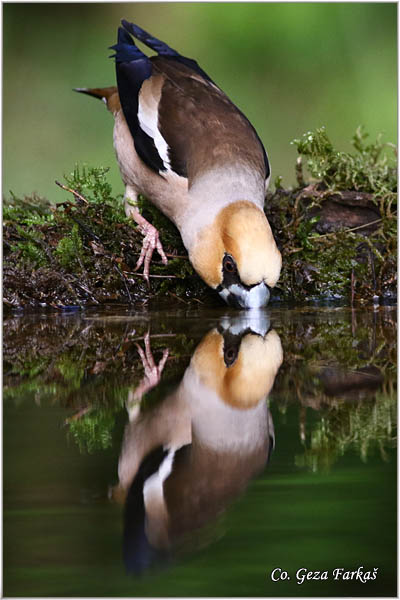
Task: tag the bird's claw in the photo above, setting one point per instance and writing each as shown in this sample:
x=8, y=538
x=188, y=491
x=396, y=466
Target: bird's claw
x=151, y=242
x=152, y=372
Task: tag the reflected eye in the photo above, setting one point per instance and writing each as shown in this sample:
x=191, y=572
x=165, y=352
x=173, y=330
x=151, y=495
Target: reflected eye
x=229, y=264
x=230, y=355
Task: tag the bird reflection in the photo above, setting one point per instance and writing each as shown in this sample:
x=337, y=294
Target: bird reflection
x=186, y=459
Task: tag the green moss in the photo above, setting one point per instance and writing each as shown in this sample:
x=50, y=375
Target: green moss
x=69, y=249
x=92, y=183
x=369, y=169
x=29, y=210
x=337, y=263
x=31, y=253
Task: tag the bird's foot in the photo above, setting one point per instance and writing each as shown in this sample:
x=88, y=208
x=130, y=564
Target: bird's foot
x=151, y=242
x=152, y=372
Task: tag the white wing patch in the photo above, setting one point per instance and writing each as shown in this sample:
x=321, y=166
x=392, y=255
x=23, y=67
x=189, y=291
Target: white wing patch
x=148, y=121
x=154, y=484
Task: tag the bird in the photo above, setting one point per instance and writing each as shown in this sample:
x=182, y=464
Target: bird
x=183, y=144
x=185, y=459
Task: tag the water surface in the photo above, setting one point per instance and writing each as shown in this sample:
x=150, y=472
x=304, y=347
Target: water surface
x=268, y=442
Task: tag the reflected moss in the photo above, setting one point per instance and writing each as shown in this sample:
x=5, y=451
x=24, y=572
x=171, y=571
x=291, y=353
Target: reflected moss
x=339, y=370
x=93, y=431
x=71, y=371
x=86, y=365
x=363, y=428
x=342, y=375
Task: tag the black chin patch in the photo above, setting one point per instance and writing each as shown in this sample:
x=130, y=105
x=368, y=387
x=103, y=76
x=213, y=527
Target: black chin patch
x=232, y=343
x=233, y=301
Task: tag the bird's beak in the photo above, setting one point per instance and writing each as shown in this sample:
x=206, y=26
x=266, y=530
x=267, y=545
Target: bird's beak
x=239, y=296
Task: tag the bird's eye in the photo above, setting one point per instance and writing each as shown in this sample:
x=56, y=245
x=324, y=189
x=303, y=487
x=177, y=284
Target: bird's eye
x=229, y=264
x=230, y=355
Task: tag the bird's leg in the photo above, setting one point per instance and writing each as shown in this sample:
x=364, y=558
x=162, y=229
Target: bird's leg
x=151, y=240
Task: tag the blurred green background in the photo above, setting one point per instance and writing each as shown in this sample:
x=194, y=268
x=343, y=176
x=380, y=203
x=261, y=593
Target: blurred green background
x=289, y=67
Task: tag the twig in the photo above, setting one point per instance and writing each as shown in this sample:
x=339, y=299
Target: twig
x=76, y=194
x=123, y=279
x=121, y=340
x=78, y=415
x=197, y=300
x=185, y=256
x=347, y=230
x=152, y=336
x=168, y=254
x=85, y=228
x=299, y=172
x=292, y=250
x=177, y=298
x=84, y=288
x=371, y=258
x=130, y=273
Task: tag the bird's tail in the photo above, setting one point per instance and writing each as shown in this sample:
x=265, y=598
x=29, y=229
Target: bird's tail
x=157, y=45
x=109, y=95
x=100, y=93
x=126, y=49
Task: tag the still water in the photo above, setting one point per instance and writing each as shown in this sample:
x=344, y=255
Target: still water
x=201, y=452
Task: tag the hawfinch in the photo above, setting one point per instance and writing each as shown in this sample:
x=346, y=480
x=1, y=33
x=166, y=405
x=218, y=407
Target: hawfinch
x=186, y=147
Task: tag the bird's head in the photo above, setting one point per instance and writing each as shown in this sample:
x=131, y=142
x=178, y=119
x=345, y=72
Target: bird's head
x=237, y=255
x=238, y=362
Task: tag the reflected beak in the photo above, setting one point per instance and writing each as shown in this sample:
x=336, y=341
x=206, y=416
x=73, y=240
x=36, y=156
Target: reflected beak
x=239, y=296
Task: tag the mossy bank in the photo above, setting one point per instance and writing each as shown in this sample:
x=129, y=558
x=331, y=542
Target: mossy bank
x=337, y=231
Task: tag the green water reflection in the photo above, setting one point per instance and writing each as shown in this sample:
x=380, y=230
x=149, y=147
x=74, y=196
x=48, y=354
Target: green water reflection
x=279, y=432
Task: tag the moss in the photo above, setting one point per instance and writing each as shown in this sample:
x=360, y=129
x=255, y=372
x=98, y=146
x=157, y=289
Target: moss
x=31, y=366
x=368, y=169
x=69, y=249
x=31, y=253
x=27, y=210
x=354, y=264
x=92, y=184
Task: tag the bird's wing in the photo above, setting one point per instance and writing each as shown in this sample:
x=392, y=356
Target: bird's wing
x=133, y=68
x=202, y=127
x=179, y=119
